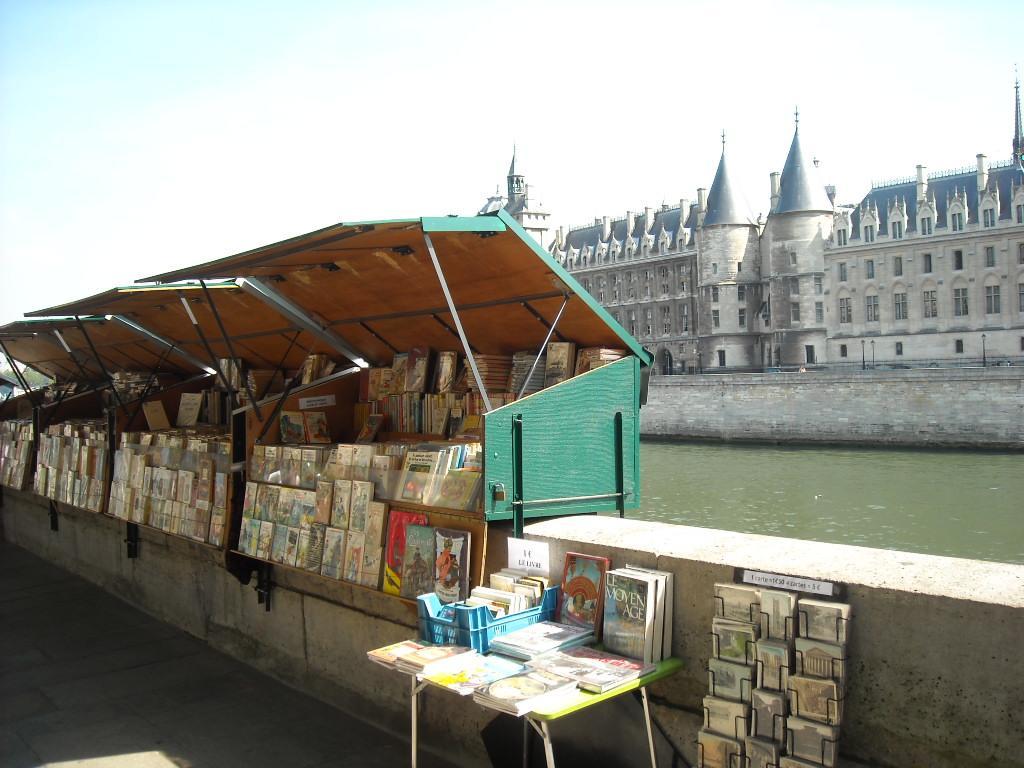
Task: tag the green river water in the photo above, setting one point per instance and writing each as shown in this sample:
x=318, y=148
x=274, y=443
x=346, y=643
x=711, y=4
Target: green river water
x=955, y=503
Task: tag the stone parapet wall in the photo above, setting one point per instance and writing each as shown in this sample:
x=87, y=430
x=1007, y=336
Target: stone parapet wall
x=967, y=407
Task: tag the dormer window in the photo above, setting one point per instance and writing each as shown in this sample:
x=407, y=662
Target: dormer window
x=897, y=230
x=841, y=237
x=957, y=220
x=989, y=217
x=926, y=225
x=869, y=233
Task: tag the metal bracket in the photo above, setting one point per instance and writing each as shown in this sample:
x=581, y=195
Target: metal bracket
x=54, y=519
x=544, y=344
x=264, y=584
x=132, y=540
x=230, y=346
x=99, y=360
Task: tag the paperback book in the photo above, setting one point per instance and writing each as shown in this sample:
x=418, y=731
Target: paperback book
x=394, y=548
x=476, y=671
x=582, y=597
x=543, y=637
x=451, y=564
x=629, y=614
x=417, y=564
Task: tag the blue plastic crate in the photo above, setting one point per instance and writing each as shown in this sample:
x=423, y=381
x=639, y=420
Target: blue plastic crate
x=473, y=625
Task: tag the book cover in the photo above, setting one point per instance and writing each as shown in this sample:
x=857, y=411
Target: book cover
x=188, y=409
x=204, y=481
x=304, y=510
x=418, y=472
x=417, y=367
x=459, y=489
x=478, y=670
x=451, y=564
x=362, y=495
x=417, y=565
x=264, y=540
x=342, y=503
x=518, y=694
x=217, y=520
x=399, y=368
x=362, y=459
x=293, y=428
x=664, y=618
x=309, y=464
x=394, y=549
x=156, y=416
x=324, y=501
x=629, y=615
x=373, y=424
x=376, y=520
x=279, y=543
x=220, y=490
x=317, y=429
x=354, y=542
x=334, y=553
x=543, y=637
x=311, y=548
x=372, y=569
x=593, y=670
x=444, y=375
x=560, y=362
x=582, y=598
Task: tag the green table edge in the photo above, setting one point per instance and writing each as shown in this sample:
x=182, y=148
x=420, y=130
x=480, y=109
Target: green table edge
x=583, y=699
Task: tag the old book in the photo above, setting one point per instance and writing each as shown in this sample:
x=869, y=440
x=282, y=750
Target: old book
x=156, y=416
x=433, y=658
x=304, y=510
x=204, y=481
x=808, y=740
x=279, y=543
x=220, y=490
x=419, y=472
x=293, y=429
x=324, y=502
x=265, y=540
x=341, y=504
x=217, y=519
x=582, y=596
x=311, y=548
x=334, y=553
x=451, y=564
x=777, y=618
x=726, y=717
x=459, y=489
x=389, y=654
x=730, y=681
x=317, y=429
x=788, y=761
x=372, y=570
x=373, y=424
x=593, y=670
x=445, y=371
x=716, y=751
x=418, y=564
x=534, y=640
x=362, y=459
x=768, y=715
x=291, y=546
x=814, y=698
x=773, y=664
x=477, y=671
x=362, y=496
x=418, y=368
x=394, y=548
x=399, y=371
x=736, y=601
x=663, y=617
x=821, y=620
x=560, y=362
x=186, y=491
x=309, y=466
x=354, y=542
x=376, y=522
x=817, y=658
x=267, y=500
x=629, y=614
x=188, y=409
x=761, y=753
x=733, y=640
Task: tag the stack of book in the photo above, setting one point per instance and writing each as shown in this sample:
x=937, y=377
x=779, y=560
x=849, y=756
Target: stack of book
x=71, y=463
x=763, y=709
x=594, y=357
x=522, y=693
x=638, y=604
x=521, y=364
x=560, y=362
x=473, y=671
x=593, y=670
x=388, y=655
x=431, y=659
x=315, y=367
x=15, y=452
x=494, y=372
x=540, y=638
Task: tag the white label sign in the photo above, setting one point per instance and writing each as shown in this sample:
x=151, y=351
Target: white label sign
x=534, y=557
x=306, y=403
x=777, y=581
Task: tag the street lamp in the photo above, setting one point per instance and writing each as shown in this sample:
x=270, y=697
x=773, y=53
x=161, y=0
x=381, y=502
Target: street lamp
x=872, y=353
x=863, y=364
x=984, y=359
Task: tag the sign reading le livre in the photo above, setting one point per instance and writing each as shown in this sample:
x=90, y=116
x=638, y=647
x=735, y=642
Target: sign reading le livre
x=306, y=403
x=534, y=557
x=796, y=583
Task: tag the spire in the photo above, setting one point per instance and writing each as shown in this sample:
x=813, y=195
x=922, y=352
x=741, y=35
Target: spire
x=516, y=182
x=512, y=167
x=1018, y=132
x=724, y=205
x=799, y=189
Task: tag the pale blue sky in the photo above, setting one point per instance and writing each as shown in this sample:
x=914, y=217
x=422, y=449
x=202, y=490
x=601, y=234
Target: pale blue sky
x=140, y=136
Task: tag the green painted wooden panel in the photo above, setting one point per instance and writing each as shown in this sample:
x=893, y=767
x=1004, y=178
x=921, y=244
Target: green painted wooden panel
x=568, y=443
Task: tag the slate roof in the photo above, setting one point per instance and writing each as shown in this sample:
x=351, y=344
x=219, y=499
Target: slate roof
x=665, y=219
x=799, y=188
x=725, y=205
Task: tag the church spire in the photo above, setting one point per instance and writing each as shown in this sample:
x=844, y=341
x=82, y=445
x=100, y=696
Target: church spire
x=516, y=182
x=1018, y=130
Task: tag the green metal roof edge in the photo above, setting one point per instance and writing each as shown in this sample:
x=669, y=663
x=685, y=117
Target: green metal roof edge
x=462, y=224
x=646, y=358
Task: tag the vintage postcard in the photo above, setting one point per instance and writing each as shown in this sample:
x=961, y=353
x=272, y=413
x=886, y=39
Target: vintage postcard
x=714, y=751
x=768, y=714
x=812, y=741
x=773, y=664
x=761, y=753
x=730, y=681
x=729, y=718
x=816, y=658
x=821, y=620
x=733, y=640
x=815, y=699
x=736, y=602
x=777, y=619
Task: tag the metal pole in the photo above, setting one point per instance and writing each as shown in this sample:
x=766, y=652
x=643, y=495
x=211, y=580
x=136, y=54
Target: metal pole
x=99, y=361
x=863, y=363
x=872, y=353
x=206, y=344
x=231, y=348
x=458, y=322
x=984, y=358
x=544, y=344
x=74, y=358
x=142, y=330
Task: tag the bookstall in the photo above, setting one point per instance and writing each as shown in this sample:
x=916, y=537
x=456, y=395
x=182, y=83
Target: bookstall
x=430, y=324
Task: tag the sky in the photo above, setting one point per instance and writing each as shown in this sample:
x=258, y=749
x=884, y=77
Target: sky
x=140, y=137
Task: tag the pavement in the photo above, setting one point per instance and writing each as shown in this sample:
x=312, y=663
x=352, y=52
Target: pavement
x=88, y=680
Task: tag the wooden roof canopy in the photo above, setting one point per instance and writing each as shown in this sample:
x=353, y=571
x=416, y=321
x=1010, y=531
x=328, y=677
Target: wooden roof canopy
x=259, y=334
x=374, y=285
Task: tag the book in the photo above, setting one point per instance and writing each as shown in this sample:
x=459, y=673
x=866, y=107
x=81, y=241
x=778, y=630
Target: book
x=399, y=371
x=371, y=571
x=432, y=658
x=629, y=614
x=768, y=713
x=444, y=374
x=418, y=473
x=536, y=639
x=451, y=564
x=362, y=496
x=417, y=368
x=733, y=640
x=156, y=416
x=473, y=672
x=387, y=655
x=417, y=565
x=333, y=561
x=362, y=459
x=372, y=425
x=725, y=717
x=188, y=409
x=664, y=617
x=279, y=543
x=736, y=601
x=291, y=546
x=293, y=428
x=354, y=542
x=593, y=670
x=459, y=489
x=376, y=521
x=730, y=681
x=317, y=429
x=394, y=547
x=814, y=698
x=582, y=598
x=265, y=540
x=776, y=614
x=717, y=751
x=311, y=548
x=519, y=694
x=821, y=620
x=324, y=501
x=560, y=362
x=341, y=503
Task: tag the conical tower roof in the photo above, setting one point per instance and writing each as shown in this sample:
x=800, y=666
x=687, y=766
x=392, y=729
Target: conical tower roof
x=799, y=189
x=725, y=204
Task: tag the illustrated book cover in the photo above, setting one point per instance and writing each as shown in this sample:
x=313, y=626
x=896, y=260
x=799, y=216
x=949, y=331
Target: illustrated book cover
x=317, y=429
x=582, y=598
x=334, y=553
x=629, y=615
x=417, y=565
x=394, y=547
x=293, y=428
x=451, y=564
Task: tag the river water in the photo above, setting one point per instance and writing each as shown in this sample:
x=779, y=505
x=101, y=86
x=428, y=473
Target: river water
x=955, y=503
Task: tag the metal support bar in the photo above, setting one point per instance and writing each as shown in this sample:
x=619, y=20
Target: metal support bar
x=518, y=511
x=54, y=519
x=99, y=361
x=142, y=330
x=258, y=287
x=131, y=539
x=52, y=411
x=620, y=480
x=378, y=337
x=277, y=408
x=149, y=383
x=231, y=347
x=264, y=584
x=279, y=368
x=544, y=344
x=529, y=307
x=452, y=331
x=206, y=344
x=564, y=499
x=458, y=323
x=73, y=356
x=18, y=374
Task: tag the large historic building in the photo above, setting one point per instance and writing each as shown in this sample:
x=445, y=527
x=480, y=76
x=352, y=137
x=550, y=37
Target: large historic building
x=922, y=269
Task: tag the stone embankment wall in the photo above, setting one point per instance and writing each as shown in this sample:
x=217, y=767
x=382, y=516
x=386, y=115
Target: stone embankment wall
x=935, y=666
x=967, y=407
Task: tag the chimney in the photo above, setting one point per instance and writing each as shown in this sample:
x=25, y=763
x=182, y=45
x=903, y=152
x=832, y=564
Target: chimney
x=922, y=184
x=606, y=228
x=648, y=219
x=561, y=238
x=701, y=199
x=775, y=176
x=630, y=220
x=982, y=173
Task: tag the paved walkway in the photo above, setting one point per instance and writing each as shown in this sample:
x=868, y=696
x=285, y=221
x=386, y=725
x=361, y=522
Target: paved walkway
x=87, y=680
